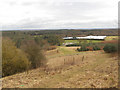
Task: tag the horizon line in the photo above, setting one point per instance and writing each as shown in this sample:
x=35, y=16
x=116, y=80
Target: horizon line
x=56, y=29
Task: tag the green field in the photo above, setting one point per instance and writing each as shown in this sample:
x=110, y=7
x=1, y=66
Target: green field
x=93, y=41
x=88, y=41
x=111, y=38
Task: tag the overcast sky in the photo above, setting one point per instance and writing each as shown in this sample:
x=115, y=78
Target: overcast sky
x=58, y=14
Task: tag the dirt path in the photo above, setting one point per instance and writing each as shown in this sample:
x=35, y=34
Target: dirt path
x=97, y=70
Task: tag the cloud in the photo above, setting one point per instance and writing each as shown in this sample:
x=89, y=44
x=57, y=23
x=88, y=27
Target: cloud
x=27, y=14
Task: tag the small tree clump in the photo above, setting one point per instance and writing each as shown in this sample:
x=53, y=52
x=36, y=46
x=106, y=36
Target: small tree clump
x=53, y=39
x=83, y=48
x=96, y=48
x=34, y=53
x=110, y=48
x=13, y=59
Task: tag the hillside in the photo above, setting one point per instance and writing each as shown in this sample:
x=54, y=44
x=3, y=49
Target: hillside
x=68, y=69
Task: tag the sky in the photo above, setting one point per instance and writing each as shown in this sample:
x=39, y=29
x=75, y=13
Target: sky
x=58, y=14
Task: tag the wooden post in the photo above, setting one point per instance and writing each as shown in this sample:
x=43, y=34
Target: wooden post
x=73, y=60
x=57, y=51
x=64, y=61
x=82, y=58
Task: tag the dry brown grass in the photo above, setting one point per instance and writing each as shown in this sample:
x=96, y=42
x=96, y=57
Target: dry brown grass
x=96, y=70
x=65, y=60
x=74, y=48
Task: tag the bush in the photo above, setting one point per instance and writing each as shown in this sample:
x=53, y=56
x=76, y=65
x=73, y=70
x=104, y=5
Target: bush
x=83, y=48
x=71, y=45
x=13, y=59
x=51, y=48
x=42, y=43
x=110, y=48
x=96, y=48
x=34, y=53
x=53, y=39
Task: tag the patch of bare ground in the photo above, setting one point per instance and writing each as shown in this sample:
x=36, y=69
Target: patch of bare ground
x=74, y=48
x=93, y=69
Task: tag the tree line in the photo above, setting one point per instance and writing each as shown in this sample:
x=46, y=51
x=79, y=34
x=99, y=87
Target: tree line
x=20, y=54
x=63, y=32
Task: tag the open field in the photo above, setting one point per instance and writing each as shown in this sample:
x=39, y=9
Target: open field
x=111, y=38
x=77, y=41
x=108, y=38
x=92, y=69
x=61, y=51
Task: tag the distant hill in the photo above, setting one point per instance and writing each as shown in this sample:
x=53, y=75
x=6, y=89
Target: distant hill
x=64, y=32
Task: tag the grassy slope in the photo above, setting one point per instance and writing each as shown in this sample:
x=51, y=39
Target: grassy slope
x=62, y=51
x=96, y=70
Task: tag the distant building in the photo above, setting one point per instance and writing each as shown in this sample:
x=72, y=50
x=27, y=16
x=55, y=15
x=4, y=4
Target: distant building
x=67, y=43
x=86, y=38
x=68, y=38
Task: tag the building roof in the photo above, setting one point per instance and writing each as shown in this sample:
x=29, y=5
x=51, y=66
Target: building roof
x=68, y=38
x=87, y=37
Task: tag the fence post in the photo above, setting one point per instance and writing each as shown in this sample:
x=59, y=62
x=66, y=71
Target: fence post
x=73, y=60
x=82, y=58
x=64, y=61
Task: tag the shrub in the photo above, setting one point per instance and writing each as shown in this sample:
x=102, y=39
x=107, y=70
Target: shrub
x=51, y=48
x=13, y=59
x=110, y=48
x=71, y=45
x=34, y=53
x=96, y=48
x=90, y=48
x=42, y=43
x=53, y=39
x=83, y=48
